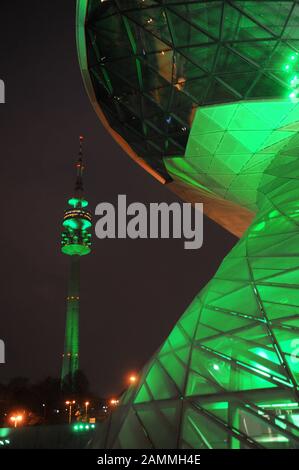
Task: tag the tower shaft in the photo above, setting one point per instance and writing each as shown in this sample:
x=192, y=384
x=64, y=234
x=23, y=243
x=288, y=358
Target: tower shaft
x=70, y=364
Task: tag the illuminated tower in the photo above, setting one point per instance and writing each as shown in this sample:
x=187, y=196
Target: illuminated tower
x=75, y=242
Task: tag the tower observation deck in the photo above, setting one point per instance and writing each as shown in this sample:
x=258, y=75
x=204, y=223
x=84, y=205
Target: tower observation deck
x=75, y=242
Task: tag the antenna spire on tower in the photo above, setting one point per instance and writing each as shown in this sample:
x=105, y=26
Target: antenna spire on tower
x=80, y=166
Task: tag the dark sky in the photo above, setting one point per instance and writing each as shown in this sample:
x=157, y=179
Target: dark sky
x=133, y=292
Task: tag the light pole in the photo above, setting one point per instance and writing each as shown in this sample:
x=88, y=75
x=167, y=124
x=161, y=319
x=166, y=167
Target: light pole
x=70, y=404
x=44, y=410
x=86, y=409
x=16, y=419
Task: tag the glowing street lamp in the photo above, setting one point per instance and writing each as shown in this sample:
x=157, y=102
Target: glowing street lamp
x=70, y=404
x=114, y=402
x=133, y=379
x=16, y=419
x=86, y=408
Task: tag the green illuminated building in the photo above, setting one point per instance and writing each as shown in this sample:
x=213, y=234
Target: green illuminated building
x=75, y=242
x=204, y=96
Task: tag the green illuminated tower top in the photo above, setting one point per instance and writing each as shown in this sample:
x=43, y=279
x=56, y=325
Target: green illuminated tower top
x=75, y=242
x=77, y=220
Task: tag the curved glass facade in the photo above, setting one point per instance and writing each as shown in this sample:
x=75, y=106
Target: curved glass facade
x=206, y=93
x=152, y=63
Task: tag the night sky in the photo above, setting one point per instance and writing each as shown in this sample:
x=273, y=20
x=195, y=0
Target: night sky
x=132, y=292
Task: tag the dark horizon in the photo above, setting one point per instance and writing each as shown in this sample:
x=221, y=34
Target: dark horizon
x=132, y=292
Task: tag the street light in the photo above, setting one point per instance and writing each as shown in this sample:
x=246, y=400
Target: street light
x=16, y=419
x=86, y=409
x=114, y=402
x=133, y=379
x=70, y=404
